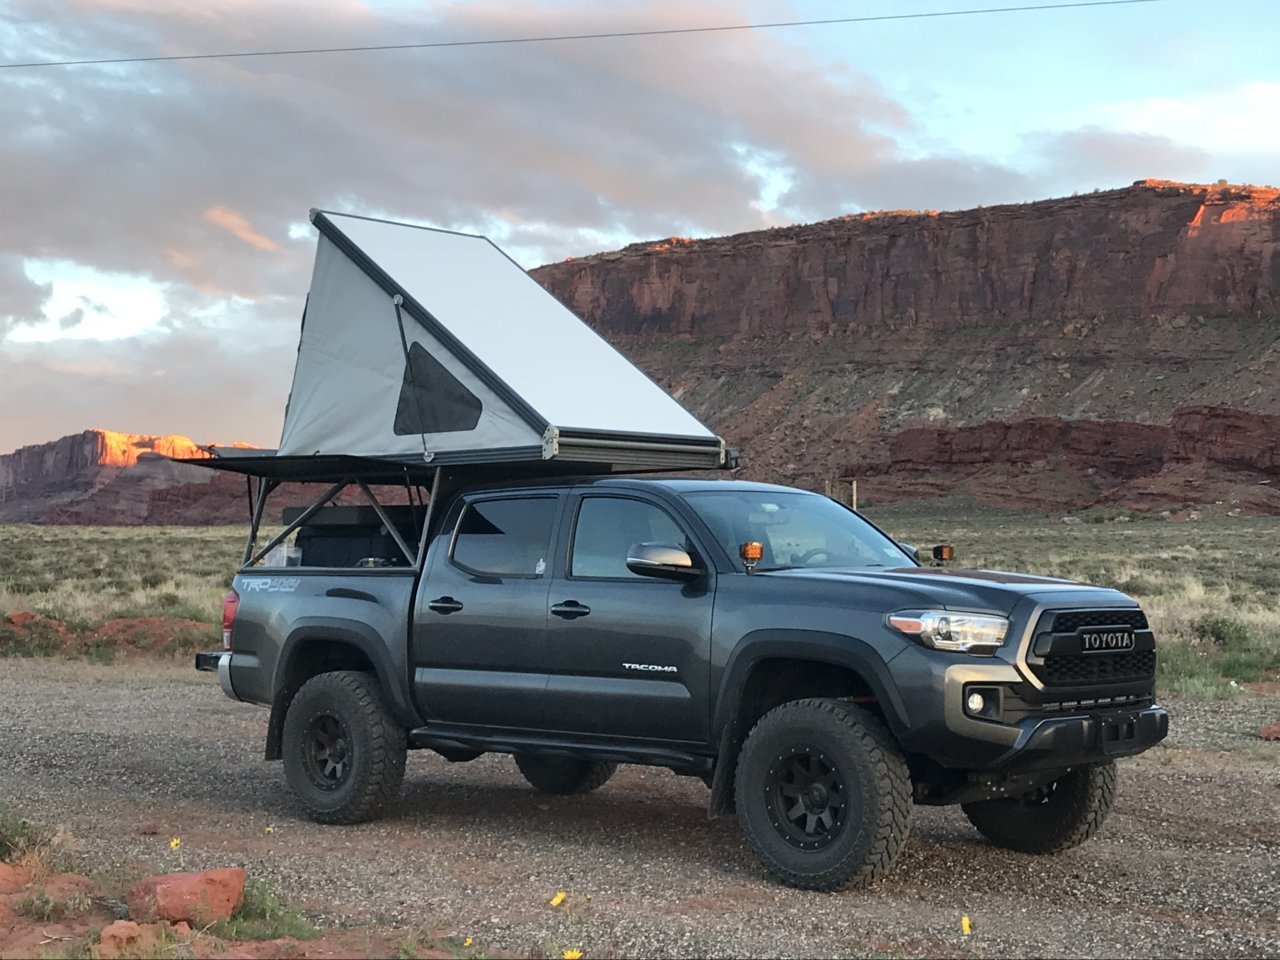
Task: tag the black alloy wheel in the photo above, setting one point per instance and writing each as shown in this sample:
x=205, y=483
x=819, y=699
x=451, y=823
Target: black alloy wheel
x=327, y=752
x=806, y=797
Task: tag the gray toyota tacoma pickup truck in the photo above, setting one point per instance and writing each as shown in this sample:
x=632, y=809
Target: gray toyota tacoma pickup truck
x=770, y=641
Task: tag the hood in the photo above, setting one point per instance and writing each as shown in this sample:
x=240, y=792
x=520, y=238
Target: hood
x=947, y=588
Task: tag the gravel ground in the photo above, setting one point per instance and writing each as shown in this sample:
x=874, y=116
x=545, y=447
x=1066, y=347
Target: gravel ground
x=128, y=756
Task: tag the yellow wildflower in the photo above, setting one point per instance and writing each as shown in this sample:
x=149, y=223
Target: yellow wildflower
x=558, y=898
x=965, y=926
x=270, y=829
x=572, y=955
x=467, y=942
x=175, y=843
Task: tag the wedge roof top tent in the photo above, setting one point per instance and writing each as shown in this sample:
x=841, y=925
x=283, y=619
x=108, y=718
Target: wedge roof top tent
x=428, y=348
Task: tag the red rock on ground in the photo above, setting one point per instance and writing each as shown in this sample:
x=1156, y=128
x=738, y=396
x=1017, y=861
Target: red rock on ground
x=20, y=618
x=1270, y=732
x=198, y=898
x=13, y=878
x=124, y=938
x=64, y=886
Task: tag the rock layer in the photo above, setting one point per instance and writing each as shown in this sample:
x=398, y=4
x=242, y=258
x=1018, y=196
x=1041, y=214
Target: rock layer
x=1154, y=249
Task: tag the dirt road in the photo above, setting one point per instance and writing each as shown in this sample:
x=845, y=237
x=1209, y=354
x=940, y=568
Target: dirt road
x=128, y=756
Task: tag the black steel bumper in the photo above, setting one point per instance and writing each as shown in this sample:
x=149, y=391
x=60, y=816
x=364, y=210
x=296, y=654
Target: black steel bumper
x=1070, y=741
x=218, y=662
x=1011, y=740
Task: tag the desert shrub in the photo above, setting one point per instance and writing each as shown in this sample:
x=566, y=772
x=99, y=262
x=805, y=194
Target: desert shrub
x=19, y=836
x=1223, y=632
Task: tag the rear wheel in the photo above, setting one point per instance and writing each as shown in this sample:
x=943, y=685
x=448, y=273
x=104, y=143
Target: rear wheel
x=1055, y=817
x=564, y=775
x=343, y=752
x=823, y=795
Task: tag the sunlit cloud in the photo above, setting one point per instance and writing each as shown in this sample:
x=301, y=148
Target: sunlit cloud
x=239, y=227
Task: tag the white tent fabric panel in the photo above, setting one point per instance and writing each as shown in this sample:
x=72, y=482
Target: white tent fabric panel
x=350, y=371
x=560, y=367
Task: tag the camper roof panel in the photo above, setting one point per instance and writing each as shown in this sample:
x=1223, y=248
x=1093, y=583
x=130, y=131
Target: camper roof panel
x=544, y=353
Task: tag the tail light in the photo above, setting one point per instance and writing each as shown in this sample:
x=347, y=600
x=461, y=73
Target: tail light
x=230, y=603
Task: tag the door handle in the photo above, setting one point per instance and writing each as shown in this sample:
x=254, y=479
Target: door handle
x=570, y=609
x=444, y=605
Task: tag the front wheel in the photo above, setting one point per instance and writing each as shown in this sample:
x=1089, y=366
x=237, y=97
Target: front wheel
x=1055, y=817
x=823, y=795
x=343, y=752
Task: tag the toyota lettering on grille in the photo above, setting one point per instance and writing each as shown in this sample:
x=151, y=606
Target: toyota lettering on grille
x=1106, y=641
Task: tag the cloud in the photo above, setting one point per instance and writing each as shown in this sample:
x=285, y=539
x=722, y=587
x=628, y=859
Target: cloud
x=72, y=319
x=21, y=299
x=211, y=390
x=238, y=227
x=1097, y=157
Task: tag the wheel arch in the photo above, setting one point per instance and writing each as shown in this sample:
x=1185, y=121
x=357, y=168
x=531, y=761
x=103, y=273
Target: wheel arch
x=771, y=667
x=319, y=645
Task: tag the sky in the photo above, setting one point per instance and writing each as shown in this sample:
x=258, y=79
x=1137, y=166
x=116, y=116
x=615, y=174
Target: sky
x=155, y=251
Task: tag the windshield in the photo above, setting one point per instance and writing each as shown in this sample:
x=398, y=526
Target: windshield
x=797, y=530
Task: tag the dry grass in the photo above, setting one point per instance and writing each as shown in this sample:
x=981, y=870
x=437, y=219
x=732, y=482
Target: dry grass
x=84, y=575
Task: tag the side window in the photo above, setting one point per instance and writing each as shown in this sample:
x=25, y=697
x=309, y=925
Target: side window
x=505, y=537
x=608, y=526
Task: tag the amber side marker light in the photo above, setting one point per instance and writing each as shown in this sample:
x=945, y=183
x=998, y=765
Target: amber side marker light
x=751, y=552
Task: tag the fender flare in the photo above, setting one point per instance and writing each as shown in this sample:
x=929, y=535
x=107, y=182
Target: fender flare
x=817, y=646
x=351, y=633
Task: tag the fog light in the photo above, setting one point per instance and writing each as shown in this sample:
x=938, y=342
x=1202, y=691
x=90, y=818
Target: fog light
x=975, y=703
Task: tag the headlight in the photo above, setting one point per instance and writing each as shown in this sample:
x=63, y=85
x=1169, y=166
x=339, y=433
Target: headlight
x=944, y=630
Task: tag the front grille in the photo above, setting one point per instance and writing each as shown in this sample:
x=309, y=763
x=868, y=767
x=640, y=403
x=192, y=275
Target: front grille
x=1075, y=668
x=1072, y=670
x=1069, y=621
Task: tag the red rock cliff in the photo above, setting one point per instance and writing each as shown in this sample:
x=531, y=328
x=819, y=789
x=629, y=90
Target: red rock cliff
x=1154, y=249
x=1076, y=325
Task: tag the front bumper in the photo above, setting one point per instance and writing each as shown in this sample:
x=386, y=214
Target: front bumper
x=1089, y=738
x=218, y=662
x=1025, y=739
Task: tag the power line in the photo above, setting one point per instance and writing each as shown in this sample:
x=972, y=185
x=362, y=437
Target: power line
x=575, y=36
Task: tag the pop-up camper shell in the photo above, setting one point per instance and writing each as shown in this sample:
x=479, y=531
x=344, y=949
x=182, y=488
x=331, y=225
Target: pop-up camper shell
x=425, y=349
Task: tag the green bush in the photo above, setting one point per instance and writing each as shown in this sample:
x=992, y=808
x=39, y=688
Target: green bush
x=1223, y=632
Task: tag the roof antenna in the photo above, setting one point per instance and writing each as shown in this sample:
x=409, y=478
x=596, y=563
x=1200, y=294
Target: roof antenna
x=427, y=455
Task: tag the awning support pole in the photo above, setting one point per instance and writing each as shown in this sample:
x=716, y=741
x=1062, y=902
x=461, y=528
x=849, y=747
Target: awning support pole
x=265, y=487
x=408, y=367
x=382, y=515
x=426, y=523
x=306, y=515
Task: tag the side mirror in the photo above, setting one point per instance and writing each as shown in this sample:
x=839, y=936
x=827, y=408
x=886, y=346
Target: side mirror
x=663, y=560
x=943, y=553
x=912, y=552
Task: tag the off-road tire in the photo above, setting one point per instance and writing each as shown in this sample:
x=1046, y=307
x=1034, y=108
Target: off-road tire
x=564, y=775
x=866, y=770
x=373, y=747
x=1061, y=815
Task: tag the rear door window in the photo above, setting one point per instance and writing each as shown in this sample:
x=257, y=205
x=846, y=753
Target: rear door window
x=506, y=537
